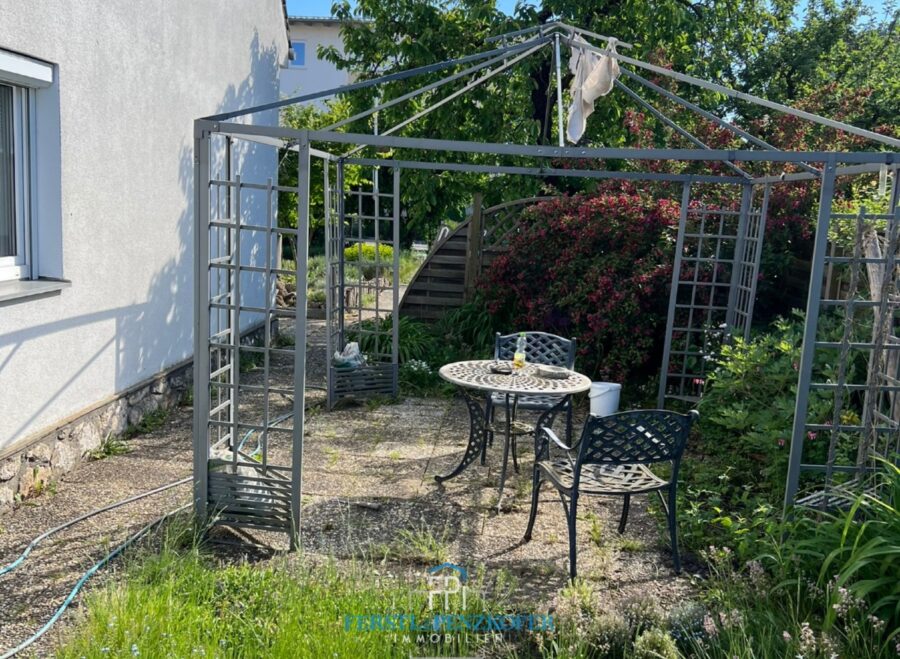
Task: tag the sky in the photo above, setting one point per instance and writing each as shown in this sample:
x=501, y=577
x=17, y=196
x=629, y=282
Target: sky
x=323, y=7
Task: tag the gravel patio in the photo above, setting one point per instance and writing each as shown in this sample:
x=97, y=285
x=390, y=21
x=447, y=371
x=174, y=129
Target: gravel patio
x=369, y=492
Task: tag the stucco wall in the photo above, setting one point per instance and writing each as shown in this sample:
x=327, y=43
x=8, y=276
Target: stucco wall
x=318, y=74
x=132, y=78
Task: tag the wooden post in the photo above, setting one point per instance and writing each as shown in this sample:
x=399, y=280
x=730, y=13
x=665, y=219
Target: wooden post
x=473, y=247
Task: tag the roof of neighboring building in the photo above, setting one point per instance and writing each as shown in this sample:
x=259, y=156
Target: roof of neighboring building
x=321, y=20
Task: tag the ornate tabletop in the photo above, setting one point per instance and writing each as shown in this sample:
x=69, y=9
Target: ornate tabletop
x=477, y=374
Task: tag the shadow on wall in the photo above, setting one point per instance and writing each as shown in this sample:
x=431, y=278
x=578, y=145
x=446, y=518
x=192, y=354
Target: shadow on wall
x=157, y=333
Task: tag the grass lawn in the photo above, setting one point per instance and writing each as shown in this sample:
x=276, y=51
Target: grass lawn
x=181, y=602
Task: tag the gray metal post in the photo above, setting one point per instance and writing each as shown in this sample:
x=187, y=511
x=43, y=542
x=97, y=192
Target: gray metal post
x=342, y=217
x=201, y=322
x=395, y=314
x=235, y=323
x=329, y=281
x=559, y=98
x=809, y=332
x=743, y=220
x=673, y=295
x=300, y=337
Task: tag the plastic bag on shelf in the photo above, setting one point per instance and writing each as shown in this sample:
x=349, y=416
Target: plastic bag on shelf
x=349, y=358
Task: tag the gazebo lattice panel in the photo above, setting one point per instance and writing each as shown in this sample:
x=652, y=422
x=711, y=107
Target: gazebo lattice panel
x=366, y=295
x=236, y=324
x=847, y=406
x=713, y=288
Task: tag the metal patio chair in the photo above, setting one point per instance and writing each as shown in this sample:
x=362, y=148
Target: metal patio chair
x=540, y=348
x=612, y=459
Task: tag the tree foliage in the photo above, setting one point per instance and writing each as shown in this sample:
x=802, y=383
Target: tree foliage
x=839, y=50
x=707, y=38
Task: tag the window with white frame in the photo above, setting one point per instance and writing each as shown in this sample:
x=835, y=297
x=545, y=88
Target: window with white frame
x=28, y=108
x=14, y=239
x=299, y=48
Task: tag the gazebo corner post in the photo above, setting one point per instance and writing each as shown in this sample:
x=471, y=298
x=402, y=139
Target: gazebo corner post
x=200, y=430
x=673, y=294
x=395, y=314
x=301, y=265
x=334, y=317
x=329, y=277
x=810, y=329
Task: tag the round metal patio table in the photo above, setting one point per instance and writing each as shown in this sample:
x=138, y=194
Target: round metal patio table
x=477, y=375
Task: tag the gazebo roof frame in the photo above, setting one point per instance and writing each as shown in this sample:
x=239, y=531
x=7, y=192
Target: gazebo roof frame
x=558, y=32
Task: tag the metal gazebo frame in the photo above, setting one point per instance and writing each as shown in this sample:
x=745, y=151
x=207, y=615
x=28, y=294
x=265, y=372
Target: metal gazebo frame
x=716, y=267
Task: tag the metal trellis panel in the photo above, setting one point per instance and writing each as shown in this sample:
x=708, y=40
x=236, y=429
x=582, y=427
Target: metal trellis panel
x=237, y=431
x=709, y=253
x=846, y=414
x=364, y=293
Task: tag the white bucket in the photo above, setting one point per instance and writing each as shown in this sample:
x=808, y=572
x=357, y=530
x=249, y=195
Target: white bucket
x=604, y=398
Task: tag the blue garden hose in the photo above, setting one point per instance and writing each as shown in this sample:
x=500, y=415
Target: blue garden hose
x=283, y=417
x=34, y=543
x=87, y=575
x=115, y=552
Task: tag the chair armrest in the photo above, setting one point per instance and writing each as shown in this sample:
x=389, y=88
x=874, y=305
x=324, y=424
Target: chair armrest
x=567, y=450
x=556, y=440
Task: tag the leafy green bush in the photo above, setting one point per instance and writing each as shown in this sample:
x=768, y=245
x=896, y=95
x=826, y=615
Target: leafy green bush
x=418, y=378
x=414, y=337
x=824, y=585
x=736, y=465
x=316, y=297
x=372, y=262
x=655, y=644
x=464, y=333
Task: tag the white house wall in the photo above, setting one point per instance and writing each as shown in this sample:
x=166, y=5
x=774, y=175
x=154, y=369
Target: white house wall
x=132, y=78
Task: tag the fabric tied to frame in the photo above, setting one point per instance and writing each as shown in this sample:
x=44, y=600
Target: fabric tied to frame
x=593, y=77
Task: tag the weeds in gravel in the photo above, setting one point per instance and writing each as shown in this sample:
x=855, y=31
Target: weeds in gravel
x=109, y=447
x=333, y=454
x=284, y=340
x=596, y=530
x=152, y=421
x=422, y=546
x=187, y=399
x=631, y=545
x=250, y=361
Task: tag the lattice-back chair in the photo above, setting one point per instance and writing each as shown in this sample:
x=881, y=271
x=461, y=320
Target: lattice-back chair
x=540, y=348
x=612, y=460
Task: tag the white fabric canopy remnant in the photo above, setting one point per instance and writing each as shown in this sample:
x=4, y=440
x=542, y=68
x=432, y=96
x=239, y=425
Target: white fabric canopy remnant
x=593, y=77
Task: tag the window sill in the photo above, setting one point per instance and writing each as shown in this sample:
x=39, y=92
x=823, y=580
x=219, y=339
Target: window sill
x=24, y=289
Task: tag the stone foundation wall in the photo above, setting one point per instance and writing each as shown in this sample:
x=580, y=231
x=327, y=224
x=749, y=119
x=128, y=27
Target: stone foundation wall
x=32, y=469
